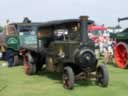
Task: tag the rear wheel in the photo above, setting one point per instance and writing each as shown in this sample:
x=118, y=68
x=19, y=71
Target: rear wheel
x=121, y=55
x=11, y=57
x=68, y=78
x=29, y=67
x=16, y=60
x=102, y=77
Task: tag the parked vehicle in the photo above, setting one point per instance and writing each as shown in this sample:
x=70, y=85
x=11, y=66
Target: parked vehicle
x=18, y=35
x=121, y=47
x=64, y=46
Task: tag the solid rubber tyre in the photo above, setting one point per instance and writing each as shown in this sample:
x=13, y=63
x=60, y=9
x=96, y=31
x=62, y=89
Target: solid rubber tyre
x=29, y=67
x=102, y=76
x=68, y=78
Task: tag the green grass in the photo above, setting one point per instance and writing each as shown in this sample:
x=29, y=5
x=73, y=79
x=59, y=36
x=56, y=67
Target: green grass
x=13, y=82
x=1, y=62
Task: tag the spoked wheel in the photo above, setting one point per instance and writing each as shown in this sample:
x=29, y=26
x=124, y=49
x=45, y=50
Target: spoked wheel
x=102, y=77
x=68, y=78
x=29, y=67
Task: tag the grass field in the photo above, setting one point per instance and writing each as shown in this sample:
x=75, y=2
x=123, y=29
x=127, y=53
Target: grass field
x=13, y=82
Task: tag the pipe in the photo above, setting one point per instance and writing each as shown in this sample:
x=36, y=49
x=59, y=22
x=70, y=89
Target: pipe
x=122, y=19
x=83, y=28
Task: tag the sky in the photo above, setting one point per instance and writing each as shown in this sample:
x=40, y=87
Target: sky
x=101, y=11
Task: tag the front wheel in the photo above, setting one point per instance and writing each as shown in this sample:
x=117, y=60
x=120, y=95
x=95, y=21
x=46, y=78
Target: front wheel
x=29, y=67
x=68, y=78
x=102, y=76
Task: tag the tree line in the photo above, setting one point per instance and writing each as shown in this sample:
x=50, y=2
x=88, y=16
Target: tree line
x=1, y=28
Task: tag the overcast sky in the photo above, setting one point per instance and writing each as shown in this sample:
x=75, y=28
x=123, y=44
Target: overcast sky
x=102, y=11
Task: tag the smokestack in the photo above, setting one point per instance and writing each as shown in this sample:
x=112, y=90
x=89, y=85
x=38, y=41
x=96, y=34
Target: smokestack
x=84, y=28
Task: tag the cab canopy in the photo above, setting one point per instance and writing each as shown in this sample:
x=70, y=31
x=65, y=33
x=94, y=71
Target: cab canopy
x=63, y=22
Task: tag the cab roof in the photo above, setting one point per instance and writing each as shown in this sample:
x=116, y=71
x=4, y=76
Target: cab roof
x=50, y=23
x=62, y=22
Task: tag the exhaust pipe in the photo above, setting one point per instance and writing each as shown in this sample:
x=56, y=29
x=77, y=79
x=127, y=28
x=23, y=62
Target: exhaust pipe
x=83, y=29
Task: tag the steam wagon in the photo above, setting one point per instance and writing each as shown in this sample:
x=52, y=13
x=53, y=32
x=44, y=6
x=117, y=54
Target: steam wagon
x=121, y=47
x=64, y=46
x=17, y=35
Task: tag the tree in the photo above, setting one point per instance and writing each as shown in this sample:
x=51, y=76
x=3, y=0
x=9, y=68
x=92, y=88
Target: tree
x=1, y=29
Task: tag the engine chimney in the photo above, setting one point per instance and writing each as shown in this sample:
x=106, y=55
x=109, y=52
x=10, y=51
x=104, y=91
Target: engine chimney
x=84, y=28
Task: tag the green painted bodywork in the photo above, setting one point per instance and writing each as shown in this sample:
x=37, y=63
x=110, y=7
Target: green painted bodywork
x=28, y=40
x=26, y=36
x=13, y=42
x=64, y=48
x=122, y=36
